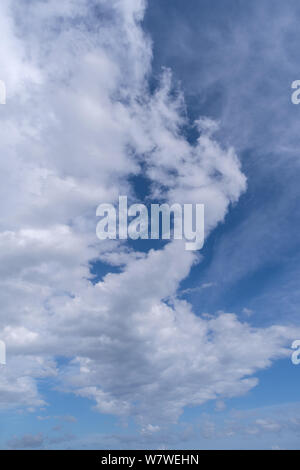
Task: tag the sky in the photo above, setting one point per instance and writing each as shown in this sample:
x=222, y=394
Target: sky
x=141, y=344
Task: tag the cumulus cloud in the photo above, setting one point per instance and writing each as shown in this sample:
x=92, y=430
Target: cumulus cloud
x=80, y=119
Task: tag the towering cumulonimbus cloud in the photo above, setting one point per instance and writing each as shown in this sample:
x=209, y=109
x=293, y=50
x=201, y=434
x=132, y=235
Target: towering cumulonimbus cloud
x=79, y=120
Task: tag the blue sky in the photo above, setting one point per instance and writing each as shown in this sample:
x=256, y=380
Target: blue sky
x=142, y=344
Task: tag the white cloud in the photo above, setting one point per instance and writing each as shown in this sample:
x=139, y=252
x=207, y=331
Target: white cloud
x=247, y=311
x=72, y=133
